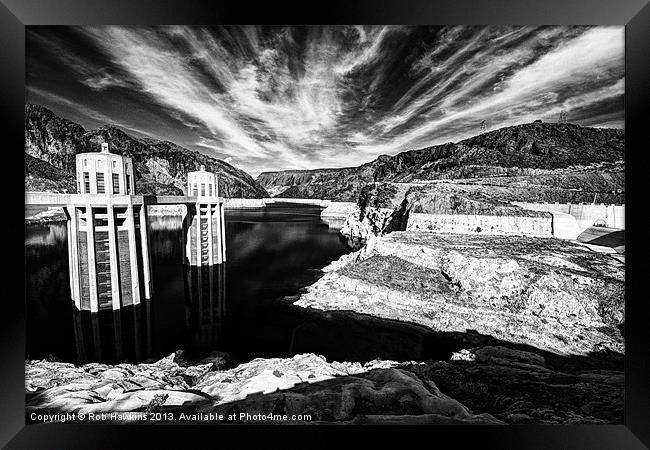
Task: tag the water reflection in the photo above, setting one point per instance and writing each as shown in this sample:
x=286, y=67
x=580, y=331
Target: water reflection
x=272, y=253
x=205, y=307
x=113, y=336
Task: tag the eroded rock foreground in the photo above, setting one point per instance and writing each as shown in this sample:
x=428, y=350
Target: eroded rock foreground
x=485, y=385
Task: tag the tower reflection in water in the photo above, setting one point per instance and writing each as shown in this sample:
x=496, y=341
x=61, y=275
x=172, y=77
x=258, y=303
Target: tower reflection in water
x=205, y=306
x=114, y=336
x=125, y=334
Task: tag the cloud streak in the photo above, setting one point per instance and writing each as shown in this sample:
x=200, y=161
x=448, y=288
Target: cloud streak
x=273, y=98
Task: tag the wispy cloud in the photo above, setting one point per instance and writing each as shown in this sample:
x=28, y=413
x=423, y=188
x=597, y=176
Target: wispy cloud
x=43, y=96
x=307, y=97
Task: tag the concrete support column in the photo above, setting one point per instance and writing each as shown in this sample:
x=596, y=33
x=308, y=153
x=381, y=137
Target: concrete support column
x=199, y=263
x=217, y=236
x=187, y=232
x=223, y=233
x=186, y=221
x=108, y=182
x=92, y=267
x=93, y=179
x=146, y=260
x=210, y=236
x=133, y=254
x=198, y=236
x=73, y=240
x=114, y=260
x=70, y=263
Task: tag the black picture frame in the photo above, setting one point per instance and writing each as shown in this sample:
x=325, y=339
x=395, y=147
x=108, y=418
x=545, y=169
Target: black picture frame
x=634, y=14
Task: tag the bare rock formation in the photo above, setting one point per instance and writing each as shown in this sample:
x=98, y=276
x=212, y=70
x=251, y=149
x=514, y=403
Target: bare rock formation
x=543, y=292
x=521, y=387
x=304, y=384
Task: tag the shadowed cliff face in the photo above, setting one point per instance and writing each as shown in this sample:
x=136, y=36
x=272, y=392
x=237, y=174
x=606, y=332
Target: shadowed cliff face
x=51, y=144
x=537, y=153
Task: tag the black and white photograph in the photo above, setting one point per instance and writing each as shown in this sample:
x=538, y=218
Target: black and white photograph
x=325, y=224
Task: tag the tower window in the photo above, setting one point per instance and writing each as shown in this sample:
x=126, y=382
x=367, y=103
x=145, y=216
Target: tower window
x=85, y=162
x=210, y=189
x=100, y=183
x=128, y=184
x=114, y=164
x=86, y=183
x=116, y=183
x=203, y=189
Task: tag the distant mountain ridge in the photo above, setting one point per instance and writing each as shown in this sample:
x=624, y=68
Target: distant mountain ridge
x=280, y=179
x=161, y=167
x=520, y=150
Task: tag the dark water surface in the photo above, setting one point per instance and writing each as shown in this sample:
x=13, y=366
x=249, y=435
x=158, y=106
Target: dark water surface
x=271, y=253
x=243, y=307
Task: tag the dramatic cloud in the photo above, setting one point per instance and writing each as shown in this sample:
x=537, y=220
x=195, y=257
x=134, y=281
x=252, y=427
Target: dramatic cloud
x=274, y=98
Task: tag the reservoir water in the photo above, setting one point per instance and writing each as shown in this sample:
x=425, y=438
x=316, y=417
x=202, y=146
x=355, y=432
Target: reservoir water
x=243, y=307
x=271, y=253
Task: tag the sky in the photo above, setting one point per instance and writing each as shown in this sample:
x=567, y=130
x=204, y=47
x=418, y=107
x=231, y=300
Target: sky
x=278, y=98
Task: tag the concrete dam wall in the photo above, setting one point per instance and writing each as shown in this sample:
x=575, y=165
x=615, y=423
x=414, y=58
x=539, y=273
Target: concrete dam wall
x=484, y=224
x=262, y=202
x=585, y=214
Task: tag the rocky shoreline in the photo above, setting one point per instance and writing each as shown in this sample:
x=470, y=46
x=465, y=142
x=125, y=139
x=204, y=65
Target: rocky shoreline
x=172, y=385
x=544, y=292
x=49, y=215
x=482, y=385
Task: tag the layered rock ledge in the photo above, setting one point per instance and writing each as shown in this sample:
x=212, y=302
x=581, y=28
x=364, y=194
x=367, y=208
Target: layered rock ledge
x=544, y=292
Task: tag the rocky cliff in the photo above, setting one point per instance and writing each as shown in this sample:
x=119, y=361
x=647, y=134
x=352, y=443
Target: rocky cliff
x=51, y=144
x=536, y=153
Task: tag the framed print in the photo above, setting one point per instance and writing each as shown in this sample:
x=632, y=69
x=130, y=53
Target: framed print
x=383, y=216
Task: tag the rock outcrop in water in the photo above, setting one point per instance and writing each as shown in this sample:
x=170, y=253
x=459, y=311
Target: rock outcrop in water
x=385, y=207
x=557, y=156
x=546, y=293
x=161, y=167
